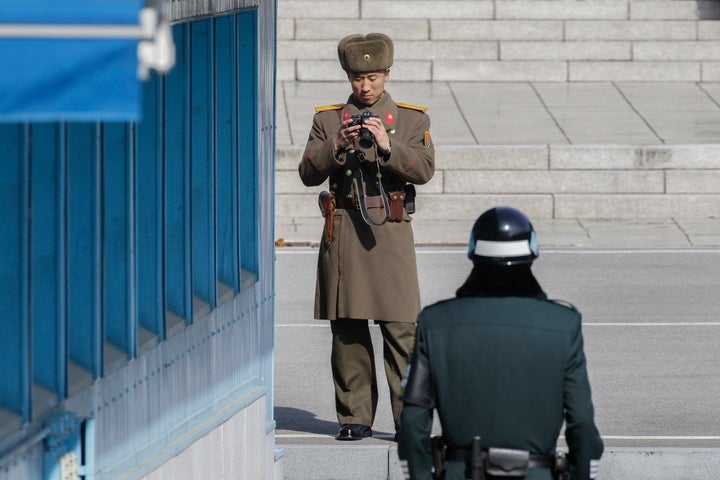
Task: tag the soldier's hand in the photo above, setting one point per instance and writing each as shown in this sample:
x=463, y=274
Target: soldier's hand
x=345, y=136
x=377, y=128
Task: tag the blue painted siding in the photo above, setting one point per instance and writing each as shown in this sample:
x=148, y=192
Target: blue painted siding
x=226, y=143
x=136, y=275
x=177, y=180
x=202, y=146
x=84, y=272
x=48, y=319
x=247, y=74
x=118, y=259
x=149, y=232
x=15, y=273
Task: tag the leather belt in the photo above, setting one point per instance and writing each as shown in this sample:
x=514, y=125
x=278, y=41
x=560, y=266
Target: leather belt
x=465, y=454
x=348, y=204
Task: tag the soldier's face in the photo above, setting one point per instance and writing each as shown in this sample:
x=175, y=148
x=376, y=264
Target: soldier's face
x=368, y=87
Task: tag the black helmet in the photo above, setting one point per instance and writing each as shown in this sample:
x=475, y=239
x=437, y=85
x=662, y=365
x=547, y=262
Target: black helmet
x=503, y=236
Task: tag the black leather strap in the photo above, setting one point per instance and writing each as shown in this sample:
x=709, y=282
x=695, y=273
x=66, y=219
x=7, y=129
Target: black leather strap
x=359, y=182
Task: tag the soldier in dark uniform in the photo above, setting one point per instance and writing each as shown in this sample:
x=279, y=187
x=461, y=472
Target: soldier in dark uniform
x=503, y=366
x=372, y=150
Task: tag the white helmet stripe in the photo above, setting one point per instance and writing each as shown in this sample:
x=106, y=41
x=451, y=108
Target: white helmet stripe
x=518, y=248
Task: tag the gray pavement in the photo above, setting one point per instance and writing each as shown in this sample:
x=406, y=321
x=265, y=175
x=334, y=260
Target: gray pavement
x=588, y=233
x=528, y=113
x=651, y=333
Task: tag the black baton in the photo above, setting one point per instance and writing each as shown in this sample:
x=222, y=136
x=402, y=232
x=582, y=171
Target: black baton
x=477, y=468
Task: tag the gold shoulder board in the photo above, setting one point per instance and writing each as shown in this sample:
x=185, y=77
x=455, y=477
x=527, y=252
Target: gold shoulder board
x=412, y=107
x=325, y=108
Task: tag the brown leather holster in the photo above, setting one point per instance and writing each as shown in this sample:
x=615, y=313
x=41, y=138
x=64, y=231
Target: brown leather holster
x=326, y=201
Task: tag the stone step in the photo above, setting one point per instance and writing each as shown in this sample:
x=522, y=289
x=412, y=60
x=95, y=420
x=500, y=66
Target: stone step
x=498, y=70
x=380, y=462
x=376, y=10
x=503, y=40
x=558, y=157
x=449, y=206
x=547, y=181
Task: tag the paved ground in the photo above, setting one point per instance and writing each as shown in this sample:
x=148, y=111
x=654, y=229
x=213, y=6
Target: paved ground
x=521, y=113
x=651, y=329
x=659, y=422
x=635, y=233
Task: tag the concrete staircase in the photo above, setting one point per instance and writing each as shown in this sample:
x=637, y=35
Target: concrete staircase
x=509, y=40
x=547, y=182
x=563, y=108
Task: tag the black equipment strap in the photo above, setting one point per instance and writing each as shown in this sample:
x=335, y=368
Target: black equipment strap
x=360, y=189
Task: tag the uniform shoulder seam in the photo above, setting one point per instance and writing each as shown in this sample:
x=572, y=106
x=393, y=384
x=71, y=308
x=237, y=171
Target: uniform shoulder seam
x=564, y=303
x=440, y=302
x=412, y=107
x=325, y=108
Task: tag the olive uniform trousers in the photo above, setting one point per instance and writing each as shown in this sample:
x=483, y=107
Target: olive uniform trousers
x=353, y=368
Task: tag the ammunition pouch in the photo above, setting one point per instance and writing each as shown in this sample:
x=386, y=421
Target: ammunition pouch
x=505, y=462
x=397, y=203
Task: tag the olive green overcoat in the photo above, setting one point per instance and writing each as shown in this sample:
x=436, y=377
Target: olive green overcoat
x=369, y=272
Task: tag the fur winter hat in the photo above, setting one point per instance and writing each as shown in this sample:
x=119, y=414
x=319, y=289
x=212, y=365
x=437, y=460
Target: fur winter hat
x=365, y=53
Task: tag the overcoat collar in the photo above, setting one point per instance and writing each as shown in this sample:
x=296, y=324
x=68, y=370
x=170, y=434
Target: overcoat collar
x=499, y=281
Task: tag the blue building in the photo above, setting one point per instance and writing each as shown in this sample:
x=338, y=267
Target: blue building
x=136, y=247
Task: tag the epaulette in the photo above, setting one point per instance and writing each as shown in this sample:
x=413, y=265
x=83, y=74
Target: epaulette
x=412, y=107
x=325, y=108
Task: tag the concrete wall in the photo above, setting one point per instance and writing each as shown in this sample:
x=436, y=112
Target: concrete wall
x=509, y=40
x=239, y=448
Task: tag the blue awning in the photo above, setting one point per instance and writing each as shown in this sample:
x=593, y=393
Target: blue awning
x=72, y=60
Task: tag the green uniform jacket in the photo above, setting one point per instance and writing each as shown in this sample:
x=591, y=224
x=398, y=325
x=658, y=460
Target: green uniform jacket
x=508, y=369
x=369, y=272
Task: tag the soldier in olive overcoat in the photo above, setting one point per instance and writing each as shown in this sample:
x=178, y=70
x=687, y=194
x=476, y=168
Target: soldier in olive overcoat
x=372, y=150
x=504, y=367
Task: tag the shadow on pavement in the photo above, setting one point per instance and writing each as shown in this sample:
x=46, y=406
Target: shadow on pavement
x=288, y=418
x=294, y=419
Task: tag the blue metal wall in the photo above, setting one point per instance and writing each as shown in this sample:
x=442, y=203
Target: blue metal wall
x=133, y=247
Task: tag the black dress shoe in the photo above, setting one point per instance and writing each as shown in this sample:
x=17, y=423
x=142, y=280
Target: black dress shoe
x=353, y=432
